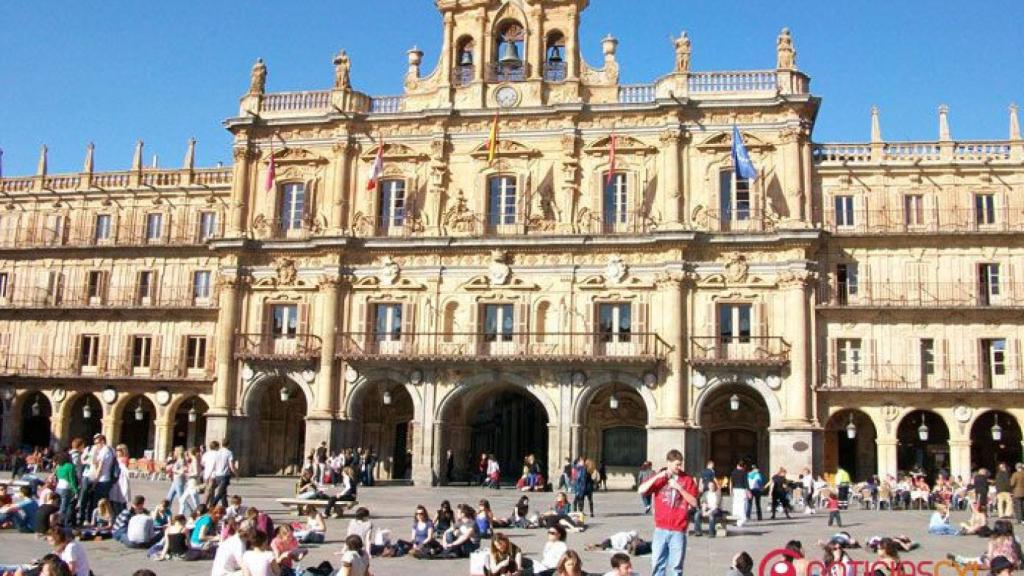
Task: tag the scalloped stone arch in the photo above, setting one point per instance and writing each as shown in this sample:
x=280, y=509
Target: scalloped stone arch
x=599, y=381
x=368, y=379
x=469, y=387
x=251, y=394
x=757, y=384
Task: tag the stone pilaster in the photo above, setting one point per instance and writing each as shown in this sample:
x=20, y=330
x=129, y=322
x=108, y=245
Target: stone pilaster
x=671, y=193
x=887, y=457
x=796, y=332
x=227, y=319
x=162, y=441
x=325, y=402
x=960, y=457
x=341, y=190
x=239, y=188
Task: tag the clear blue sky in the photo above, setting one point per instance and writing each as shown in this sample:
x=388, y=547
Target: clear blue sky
x=117, y=70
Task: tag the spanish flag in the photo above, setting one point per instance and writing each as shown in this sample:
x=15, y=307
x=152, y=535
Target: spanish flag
x=492, y=142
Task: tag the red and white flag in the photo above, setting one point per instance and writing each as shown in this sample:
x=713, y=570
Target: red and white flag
x=378, y=166
x=611, y=160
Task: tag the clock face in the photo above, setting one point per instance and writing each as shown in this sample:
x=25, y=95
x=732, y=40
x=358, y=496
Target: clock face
x=507, y=97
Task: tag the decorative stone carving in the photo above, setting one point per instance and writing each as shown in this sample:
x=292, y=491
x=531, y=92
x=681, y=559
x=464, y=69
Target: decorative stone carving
x=286, y=272
x=891, y=412
x=389, y=271
x=498, y=271
x=963, y=413
x=736, y=267
x=683, y=49
x=616, y=270
x=459, y=218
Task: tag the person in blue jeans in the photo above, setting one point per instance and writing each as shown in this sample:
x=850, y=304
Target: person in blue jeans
x=673, y=494
x=939, y=522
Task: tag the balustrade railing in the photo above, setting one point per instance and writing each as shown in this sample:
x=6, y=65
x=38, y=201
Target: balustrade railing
x=386, y=104
x=147, y=178
x=110, y=367
x=296, y=101
x=913, y=152
x=293, y=346
x=170, y=233
x=901, y=376
x=738, y=350
x=921, y=294
x=118, y=296
x=733, y=81
x=475, y=346
x=1002, y=218
x=636, y=94
x=737, y=221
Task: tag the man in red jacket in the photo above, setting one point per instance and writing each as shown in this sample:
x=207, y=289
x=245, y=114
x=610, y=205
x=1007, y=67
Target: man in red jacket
x=673, y=492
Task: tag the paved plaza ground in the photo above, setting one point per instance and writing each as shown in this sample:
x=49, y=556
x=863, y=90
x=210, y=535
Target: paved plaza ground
x=392, y=506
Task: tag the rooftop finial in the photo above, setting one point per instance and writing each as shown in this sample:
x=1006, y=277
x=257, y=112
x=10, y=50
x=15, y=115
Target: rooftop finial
x=89, y=150
x=944, y=123
x=876, y=126
x=1014, y=122
x=41, y=166
x=190, y=155
x=137, y=157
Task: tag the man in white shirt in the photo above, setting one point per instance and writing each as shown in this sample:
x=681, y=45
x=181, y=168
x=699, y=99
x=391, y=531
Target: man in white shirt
x=208, y=463
x=103, y=462
x=140, y=533
x=85, y=488
x=228, y=560
x=223, y=469
x=621, y=566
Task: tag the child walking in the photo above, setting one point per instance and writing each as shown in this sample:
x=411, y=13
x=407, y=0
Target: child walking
x=833, y=511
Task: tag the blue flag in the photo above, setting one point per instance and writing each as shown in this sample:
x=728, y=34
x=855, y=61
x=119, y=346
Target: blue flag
x=740, y=159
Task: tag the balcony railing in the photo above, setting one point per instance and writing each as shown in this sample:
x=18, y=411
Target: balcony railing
x=921, y=294
x=864, y=153
x=170, y=233
x=159, y=368
x=733, y=81
x=888, y=376
x=386, y=104
x=735, y=221
x=80, y=296
x=738, y=351
x=285, y=229
x=581, y=347
x=496, y=72
x=270, y=347
x=636, y=94
x=1004, y=219
x=293, y=101
x=153, y=178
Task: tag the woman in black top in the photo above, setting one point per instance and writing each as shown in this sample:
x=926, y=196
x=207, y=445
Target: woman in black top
x=779, y=497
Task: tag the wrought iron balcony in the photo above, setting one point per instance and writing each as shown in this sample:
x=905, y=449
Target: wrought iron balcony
x=81, y=296
x=102, y=367
x=123, y=235
x=910, y=377
x=736, y=221
x=276, y=347
x=713, y=351
x=920, y=295
x=925, y=221
x=566, y=347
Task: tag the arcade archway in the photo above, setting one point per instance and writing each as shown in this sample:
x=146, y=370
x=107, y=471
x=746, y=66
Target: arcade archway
x=734, y=422
x=851, y=443
x=35, y=420
x=189, y=423
x=385, y=415
x=995, y=438
x=84, y=418
x=923, y=443
x=614, y=429
x=277, y=417
x=138, y=429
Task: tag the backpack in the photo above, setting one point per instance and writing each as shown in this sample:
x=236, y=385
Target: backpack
x=323, y=569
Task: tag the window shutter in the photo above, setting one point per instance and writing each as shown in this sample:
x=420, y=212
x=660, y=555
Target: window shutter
x=103, y=353
x=154, y=287
x=10, y=286
x=644, y=344
x=759, y=323
x=156, y=352
x=181, y=364
x=211, y=355
x=362, y=314
x=129, y=345
x=945, y=359
x=408, y=338
x=302, y=327
x=869, y=361
x=76, y=353
x=832, y=368
x=522, y=326
x=103, y=281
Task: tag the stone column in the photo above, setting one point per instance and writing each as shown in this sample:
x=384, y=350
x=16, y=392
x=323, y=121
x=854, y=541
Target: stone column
x=239, y=187
x=343, y=162
x=111, y=427
x=227, y=319
x=162, y=440
x=670, y=189
x=887, y=457
x=960, y=457
x=670, y=327
x=325, y=402
x=796, y=387
x=555, y=452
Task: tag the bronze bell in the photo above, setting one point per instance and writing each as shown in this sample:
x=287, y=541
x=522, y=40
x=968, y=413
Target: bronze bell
x=556, y=55
x=466, y=59
x=510, y=56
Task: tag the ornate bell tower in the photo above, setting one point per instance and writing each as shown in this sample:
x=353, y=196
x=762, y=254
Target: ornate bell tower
x=508, y=53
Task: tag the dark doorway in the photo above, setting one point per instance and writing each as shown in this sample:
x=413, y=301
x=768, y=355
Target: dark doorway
x=189, y=424
x=85, y=419
x=511, y=425
x=400, y=456
x=731, y=446
x=847, y=453
x=929, y=456
x=35, y=421
x=137, y=430
x=986, y=450
x=280, y=432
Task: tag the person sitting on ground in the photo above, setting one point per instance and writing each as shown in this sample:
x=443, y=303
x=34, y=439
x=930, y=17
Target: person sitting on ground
x=978, y=523
x=45, y=512
x=235, y=508
x=554, y=548
x=742, y=565
x=204, y=535
x=887, y=561
x=621, y=566
x=484, y=518
x=71, y=552
x=623, y=542
x=162, y=515
x=444, y=518
x=174, y=544
x=570, y=565
x=101, y=525
x=143, y=527
x=354, y=560
x=939, y=522
x=836, y=558
x=1000, y=566
x=1000, y=543
x=560, y=514
x=521, y=513
x=259, y=560
x=462, y=539
x=362, y=526
x=314, y=531
x=21, y=513
x=504, y=559
x=228, y=559
x=287, y=549
x=422, y=533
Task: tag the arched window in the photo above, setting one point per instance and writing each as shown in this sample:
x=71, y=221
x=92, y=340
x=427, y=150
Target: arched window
x=615, y=201
x=464, y=70
x=554, y=58
x=391, y=209
x=293, y=206
x=501, y=201
x=508, y=65
x=734, y=198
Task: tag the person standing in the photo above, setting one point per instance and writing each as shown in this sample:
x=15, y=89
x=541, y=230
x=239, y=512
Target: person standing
x=449, y=466
x=103, y=467
x=1004, y=498
x=643, y=475
x=738, y=487
x=980, y=486
x=674, y=493
x=778, y=492
x=86, y=488
x=755, y=483
x=707, y=475
x=320, y=462
x=67, y=486
x=206, y=464
x=1017, y=485
x=224, y=468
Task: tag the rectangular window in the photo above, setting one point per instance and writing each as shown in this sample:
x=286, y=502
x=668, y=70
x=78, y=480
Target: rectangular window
x=54, y=288
x=154, y=226
x=734, y=323
x=734, y=196
x=985, y=209
x=994, y=359
x=849, y=356
x=844, y=210
x=498, y=322
x=846, y=283
x=89, y=354
x=285, y=318
x=616, y=199
x=293, y=206
x=5, y=279
x=101, y=231
x=195, y=352
x=988, y=284
x=142, y=351
x=207, y=225
x=95, y=285
x=927, y=356
x=387, y=325
x=913, y=210
x=615, y=322
x=392, y=204
x=501, y=200
x=144, y=291
x=53, y=229
x=201, y=284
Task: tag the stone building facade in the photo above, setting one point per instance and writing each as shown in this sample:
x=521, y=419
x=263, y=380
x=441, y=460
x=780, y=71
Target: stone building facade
x=601, y=283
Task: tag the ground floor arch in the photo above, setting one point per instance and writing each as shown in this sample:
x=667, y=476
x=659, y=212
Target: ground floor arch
x=384, y=425
x=734, y=427
x=84, y=418
x=277, y=427
x=923, y=443
x=995, y=438
x=613, y=430
x=851, y=443
x=138, y=426
x=189, y=423
x=36, y=425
